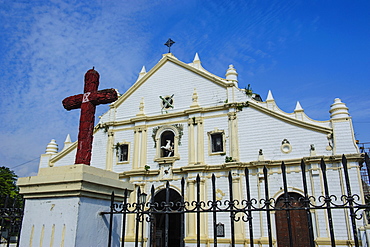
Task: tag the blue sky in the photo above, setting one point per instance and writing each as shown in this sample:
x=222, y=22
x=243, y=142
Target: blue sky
x=307, y=51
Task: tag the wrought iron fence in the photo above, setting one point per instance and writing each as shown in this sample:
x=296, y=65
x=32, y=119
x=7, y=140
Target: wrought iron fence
x=11, y=214
x=243, y=210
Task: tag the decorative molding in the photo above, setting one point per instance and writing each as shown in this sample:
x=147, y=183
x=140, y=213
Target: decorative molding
x=178, y=127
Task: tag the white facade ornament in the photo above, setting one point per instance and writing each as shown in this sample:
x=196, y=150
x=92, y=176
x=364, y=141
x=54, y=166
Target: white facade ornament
x=141, y=108
x=260, y=155
x=285, y=146
x=312, y=150
x=194, y=99
x=269, y=96
x=142, y=73
x=338, y=110
x=67, y=142
x=232, y=75
x=298, y=107
x=52, y=147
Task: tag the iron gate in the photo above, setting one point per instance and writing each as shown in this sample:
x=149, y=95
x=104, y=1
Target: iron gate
x=243, y=210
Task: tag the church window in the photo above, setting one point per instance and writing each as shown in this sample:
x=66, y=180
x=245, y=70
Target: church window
x=216, y=142
x=167, y=144
x=217, y=145
x=167, y=139
x=122, y=152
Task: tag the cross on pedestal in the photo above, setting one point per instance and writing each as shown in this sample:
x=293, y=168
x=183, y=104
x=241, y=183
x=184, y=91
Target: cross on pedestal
x=88, y=102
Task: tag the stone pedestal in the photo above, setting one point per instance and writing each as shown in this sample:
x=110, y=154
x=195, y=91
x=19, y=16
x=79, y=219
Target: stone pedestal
x=63, y=204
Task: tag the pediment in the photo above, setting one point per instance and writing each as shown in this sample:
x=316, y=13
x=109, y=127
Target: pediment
x=169, y=58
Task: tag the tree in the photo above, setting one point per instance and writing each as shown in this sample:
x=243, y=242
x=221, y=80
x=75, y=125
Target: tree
x=8, y=185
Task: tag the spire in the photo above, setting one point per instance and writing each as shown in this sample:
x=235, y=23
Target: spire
x=197, y=62
x=196, y=58
x=232, y=75
x=298, y=107
x=67, y=142
x=142, y=73
x=269, y=96
x=68, y=139
x=338, y=110
x=52, y=147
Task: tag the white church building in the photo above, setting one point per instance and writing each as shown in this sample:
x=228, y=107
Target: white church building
x=179, y=120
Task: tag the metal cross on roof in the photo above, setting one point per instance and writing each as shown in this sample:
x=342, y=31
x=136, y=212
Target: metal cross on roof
x=169, y=43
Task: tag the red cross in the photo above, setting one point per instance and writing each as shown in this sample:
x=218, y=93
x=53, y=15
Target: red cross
x=88, y=102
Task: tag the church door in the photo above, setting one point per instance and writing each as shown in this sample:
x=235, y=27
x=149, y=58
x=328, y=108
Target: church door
x=174, y=221
x=299, y=224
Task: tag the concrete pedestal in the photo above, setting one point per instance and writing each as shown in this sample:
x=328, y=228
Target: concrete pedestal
x=63, y=205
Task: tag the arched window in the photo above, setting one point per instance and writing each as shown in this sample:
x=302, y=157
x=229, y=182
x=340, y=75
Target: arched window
x=167, y=139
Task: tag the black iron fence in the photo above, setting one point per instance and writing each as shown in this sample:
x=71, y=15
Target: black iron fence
x=11, y=214
x=287, y=207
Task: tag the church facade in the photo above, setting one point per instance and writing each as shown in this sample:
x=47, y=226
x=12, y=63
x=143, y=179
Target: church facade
x=178, y=121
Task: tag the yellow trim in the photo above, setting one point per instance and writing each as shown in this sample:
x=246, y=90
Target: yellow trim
x=290, y=120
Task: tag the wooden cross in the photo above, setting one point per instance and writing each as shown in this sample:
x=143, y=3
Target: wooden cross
x=88, y=102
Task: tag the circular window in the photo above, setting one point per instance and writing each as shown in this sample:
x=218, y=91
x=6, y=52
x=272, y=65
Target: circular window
x=286, y=148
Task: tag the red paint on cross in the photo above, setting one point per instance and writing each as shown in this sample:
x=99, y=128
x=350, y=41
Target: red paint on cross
x=88, y=102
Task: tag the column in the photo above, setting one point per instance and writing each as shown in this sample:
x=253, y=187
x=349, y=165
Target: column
x=143, y=147
x=130, y=229
x=200, y=142
x=203, y=216
x=239, y=226
x=191, y=218
x=233, y=136
x=137, y=150
x=109, y=153
x=191, y=148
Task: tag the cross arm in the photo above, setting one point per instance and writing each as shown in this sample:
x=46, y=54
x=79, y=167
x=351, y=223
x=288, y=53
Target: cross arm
x=72, y=102
x=96, y=98
x=103, y=96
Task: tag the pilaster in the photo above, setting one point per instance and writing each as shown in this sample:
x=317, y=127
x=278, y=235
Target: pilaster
x=191, y=221
x=233, y=136
x=110, y=148
x=191, y=146
x=239, y=226
x=200, y=142
x=140, y=137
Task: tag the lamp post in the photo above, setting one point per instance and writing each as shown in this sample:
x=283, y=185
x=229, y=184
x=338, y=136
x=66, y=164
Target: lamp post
x=142, y=200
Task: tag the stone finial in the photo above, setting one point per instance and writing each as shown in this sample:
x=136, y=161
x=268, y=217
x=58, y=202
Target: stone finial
x=141, y=108
x=197, y=62
x=142, y=73
x=67, y=142
x=231, y=74
x=260, y=155
x=269, y=96
x=196, y=58
x=338, y=110
x=298, y=107
x=312, y=150
x=194, y=99
x=52, y=147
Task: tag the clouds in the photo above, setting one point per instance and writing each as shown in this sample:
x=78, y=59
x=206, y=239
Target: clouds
x=54, y=44
x=47, y=46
